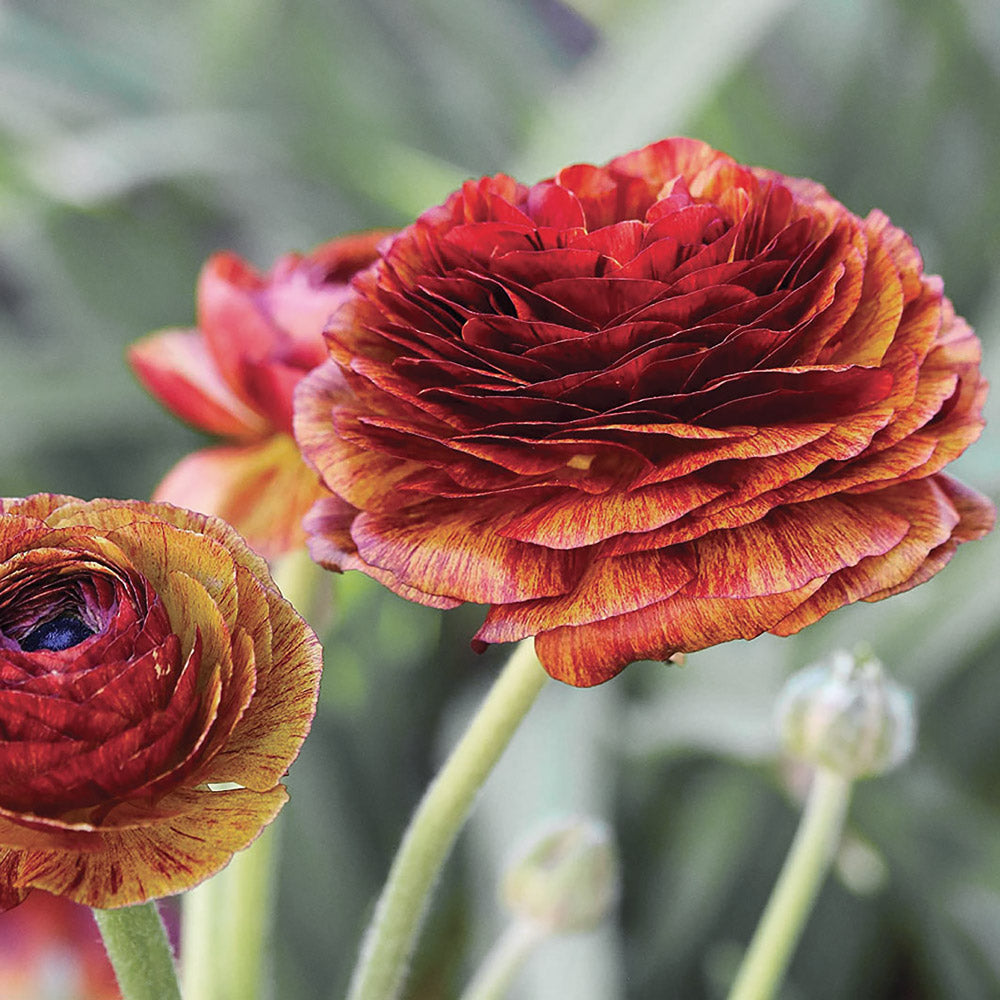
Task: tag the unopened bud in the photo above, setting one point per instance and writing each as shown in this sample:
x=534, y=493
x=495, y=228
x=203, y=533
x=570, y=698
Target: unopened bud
x=565, y=879
x=847, y=715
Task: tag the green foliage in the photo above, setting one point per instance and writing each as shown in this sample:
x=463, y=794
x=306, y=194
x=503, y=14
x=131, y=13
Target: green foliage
x=136, y=139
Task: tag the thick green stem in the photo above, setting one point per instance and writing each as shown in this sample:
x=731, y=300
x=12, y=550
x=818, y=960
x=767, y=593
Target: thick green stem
x=391, y=936
x=297, y=577
x=248, y=892
x=137, y=945
x=795, y=892
x=504, y=961
x=226, y=927
x=203, y=914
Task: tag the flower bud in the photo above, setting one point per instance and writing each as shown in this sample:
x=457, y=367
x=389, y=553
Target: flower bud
x=566, y=878
x=847, y=715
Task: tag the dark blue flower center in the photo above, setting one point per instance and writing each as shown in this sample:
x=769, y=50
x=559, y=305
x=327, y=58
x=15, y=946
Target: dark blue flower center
x=59, y=633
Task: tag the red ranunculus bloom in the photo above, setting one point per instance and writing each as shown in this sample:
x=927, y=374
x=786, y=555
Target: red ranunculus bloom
x=234, y=376
x=644, y=408
x=145, y=657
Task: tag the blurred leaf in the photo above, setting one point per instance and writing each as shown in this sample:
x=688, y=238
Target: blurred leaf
x=136, y=139
x=710, y=835
x=653, y=71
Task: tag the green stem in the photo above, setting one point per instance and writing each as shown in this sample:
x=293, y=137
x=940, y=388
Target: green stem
x=798, y=885
x=137, y=945
x=504, y=961
x=391, y=936
x=297, y=576
x=202, y=920
x=248, y=891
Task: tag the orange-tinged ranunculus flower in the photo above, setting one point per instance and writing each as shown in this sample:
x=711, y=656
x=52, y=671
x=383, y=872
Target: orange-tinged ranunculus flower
x=146, y=658
x=644, y=408
x=234, y=376
x=50, y=948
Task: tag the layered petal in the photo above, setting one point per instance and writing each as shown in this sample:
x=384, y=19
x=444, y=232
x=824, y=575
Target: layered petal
x=145, y=656
x=642, y=408
x=175, y=366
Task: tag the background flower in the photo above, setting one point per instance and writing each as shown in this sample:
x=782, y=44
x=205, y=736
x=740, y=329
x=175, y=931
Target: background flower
x=644, y=408
x=50, y=949
x=144, y=654
x=142, y=136
x=234, y=375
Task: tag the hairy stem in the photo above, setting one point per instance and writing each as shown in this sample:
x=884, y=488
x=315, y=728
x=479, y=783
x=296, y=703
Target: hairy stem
x=795, y=892
x=136, y=943
x=391, y=936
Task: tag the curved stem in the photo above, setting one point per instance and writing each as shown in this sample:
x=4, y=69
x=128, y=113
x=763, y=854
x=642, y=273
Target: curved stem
x=391, y=936
x=504, y=960
x=137, y=945
x=798, y=885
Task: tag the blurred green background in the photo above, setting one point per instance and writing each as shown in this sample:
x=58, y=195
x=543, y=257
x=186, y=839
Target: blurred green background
x=136, y=139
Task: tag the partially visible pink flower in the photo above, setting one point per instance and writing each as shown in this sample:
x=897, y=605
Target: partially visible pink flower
x=233, y=376
x=50, y=947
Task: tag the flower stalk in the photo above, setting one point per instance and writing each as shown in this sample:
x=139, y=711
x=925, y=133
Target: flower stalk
x=226, y=927
x=136, y=942
x=391, y=936
x=248, y=892
x=202, y=918
x=505, y=960
x=795, y=892
x=850, y=720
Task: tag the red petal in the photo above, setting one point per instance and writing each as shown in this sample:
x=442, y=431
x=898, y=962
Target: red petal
x=571, y=520
x=175, y=366
x=591, y=654
x=450, y=551
x=932, y=519
x=330, y=544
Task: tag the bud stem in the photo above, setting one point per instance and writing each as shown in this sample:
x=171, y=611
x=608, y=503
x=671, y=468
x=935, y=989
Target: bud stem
x=136, y=943
x=391, y=936
x=795, y=892
x=504, y=960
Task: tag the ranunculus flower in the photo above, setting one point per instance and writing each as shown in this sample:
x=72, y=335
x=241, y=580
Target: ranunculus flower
x=644, y=408
x=50, y=949
x=145, y=657
x=234, y=375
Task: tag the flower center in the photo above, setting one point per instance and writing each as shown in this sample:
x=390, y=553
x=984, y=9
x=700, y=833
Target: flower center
x=60, y=633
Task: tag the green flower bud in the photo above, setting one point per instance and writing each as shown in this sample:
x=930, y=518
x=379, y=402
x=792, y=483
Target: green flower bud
x=846, y=714
x=565, y=879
